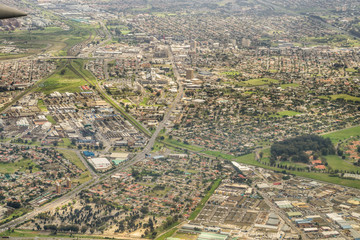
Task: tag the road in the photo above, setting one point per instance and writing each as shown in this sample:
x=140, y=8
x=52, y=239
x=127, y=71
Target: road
x=99, y=178
x=277, y=211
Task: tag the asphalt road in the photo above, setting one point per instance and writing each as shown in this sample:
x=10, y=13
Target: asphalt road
x=99, y=178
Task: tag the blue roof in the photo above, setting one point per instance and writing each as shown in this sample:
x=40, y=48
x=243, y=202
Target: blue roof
x=88, y=154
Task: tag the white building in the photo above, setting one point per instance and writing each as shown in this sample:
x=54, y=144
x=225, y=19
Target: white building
x=101, y=164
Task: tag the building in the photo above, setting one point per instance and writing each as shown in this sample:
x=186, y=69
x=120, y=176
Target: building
x=68, y=183
x=189, y=73
x=58, y=188
x=100, y=164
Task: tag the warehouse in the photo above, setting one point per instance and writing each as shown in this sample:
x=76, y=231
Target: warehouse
x=100, y=164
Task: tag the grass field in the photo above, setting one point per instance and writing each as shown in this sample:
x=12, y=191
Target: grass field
x=258, y=82
x=22, y=166
x=337, y=163
x=205, y=199
x=19, y=233
x=288, y=113
x=64, y=80
x=250, y=160
x=343, y=134
x=219, y=154
x=50, y=39
x=345, y=97
x=284, y=86
x=73, y=157
x=167, y=234
x=185, y=236
x=51, y=119
x=17, y=213
x=180, y=144
x=41, y=105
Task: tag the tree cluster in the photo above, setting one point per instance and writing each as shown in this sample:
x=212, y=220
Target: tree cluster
x=294, y=148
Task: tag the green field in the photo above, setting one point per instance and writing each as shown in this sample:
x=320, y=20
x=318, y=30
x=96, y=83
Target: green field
x=51, y=119
x=231, y=73
x=167, y=234
x=288, y=113
x=64, y=80
x=50, y=39
x=335, y=162
x=258, y=82
x=22, y=166
x=350, y=70
x=250, y=160
x=203, y=201
x=284, y=86
x=17, y=213
x=284, y=113
x=73, y=157
x=343, y=134
x=180, y=144
x=42, y=106
x=219, y=154
x=345, y=97
x=19, y=233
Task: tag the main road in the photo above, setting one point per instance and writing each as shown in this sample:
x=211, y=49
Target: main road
x=99, y=178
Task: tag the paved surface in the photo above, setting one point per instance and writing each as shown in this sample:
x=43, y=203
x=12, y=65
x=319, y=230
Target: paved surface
x=99, y=178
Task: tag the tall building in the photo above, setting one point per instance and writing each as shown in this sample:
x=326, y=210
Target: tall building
x=246, y=42
x=58, y=188
x=68, y=182
x=189, y=73
x=193, y=45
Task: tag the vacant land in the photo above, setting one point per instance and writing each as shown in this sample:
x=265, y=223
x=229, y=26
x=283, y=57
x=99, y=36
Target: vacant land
x=204, y=200
x=335, y=162
x=259, y=82
x=345, y=97
x=341, y=135
x=51, y=39
x=64, y=80
x=22, y=165
x=284, y=86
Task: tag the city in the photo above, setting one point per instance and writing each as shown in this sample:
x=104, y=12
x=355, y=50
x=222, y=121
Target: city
x=216, y=119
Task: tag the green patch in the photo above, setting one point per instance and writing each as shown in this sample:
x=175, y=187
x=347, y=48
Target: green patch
x=167, y=234
x=180, y=144
x=284, y=114
x=66, y=143
x=288, y=113
x=249, y=159
x=345, y=97
x=41, y=105
x=144, y=101
x=64, y=80
x=20, y=233
x=258, y=82
x=51, y=119
x=73, y=157
x=23, y=165
x=336, y=163
x=219, y=154
x=17, y=213
x=284, y=86
x=231, y=73
x=205, y=199
x=84, y=177
x=343, y=134
x=350, y=70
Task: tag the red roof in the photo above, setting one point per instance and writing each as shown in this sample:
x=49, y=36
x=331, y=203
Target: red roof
x=316, y=162
x=320, y=167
